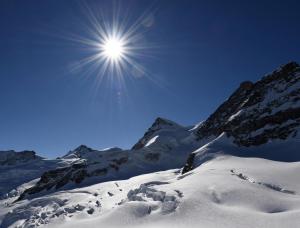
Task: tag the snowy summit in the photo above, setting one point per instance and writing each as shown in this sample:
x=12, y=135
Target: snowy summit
x=239, y=168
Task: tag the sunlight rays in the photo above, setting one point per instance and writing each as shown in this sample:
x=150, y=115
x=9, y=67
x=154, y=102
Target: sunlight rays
x=115, y=46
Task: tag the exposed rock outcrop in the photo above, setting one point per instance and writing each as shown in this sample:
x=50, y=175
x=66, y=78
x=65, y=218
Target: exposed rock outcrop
x=261, y=111
x=254, y=114
x=257, y=113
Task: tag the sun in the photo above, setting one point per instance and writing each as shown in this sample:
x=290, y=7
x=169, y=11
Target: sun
x=114, y=45
x=113, y=48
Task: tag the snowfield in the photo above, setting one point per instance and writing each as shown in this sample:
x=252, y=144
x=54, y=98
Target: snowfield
x=227, y=191
x=237, y=169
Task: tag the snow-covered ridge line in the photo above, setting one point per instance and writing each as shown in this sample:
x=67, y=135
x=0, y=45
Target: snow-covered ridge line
x=259, y=119
x=273, y=100
x=166, y=145
x=224, y=192
x=253, y=115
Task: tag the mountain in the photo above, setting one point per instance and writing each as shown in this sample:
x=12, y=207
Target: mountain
x=18, y=168
x=165, y=145
x=159, y=124
x=258, y=112
x=225, y=192
x=174, y=175
x=264, y=113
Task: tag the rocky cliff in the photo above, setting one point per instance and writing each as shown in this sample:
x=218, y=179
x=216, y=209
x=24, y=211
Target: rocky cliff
x=256, y=113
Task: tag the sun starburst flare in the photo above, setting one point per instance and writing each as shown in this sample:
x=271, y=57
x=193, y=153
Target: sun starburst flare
x=113, y=48
x=115, y=45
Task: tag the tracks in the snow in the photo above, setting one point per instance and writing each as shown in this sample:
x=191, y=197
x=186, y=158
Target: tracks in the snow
x=267, y=185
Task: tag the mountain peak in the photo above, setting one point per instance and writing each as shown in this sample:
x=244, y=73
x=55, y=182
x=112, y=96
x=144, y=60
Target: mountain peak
x=78, y=152
x=162, y=122
x=83, y=148
x=159, y=124
x=246, y=85
x=260, y=111
x=285, y=72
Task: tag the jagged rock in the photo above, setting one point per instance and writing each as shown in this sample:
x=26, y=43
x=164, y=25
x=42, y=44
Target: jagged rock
x=79, y=176
x=255, y=106
x=253, y=115
x=79, y=152
x=90, y=210
x=256, y=113
x=152, y=156
x=189, y=165
x=120, y=161
x=57, y=178
x=163, y=151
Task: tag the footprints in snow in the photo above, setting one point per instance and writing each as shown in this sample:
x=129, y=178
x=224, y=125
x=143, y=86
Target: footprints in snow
x=110, y=194
x=117, y=185
x=225, y=198
x=179, y=193
x=267, y=185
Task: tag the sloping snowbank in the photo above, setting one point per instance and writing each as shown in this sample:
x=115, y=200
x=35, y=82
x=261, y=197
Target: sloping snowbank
x=224, y=192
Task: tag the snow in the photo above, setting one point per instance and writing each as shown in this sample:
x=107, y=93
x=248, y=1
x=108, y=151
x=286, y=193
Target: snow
x=222, y=191
x=152, y=140
x=235, y=115
x=229, y=185
x=13, y=176
x=196, y=126
x=278, y=150
x=226, y=191
x=212, y=197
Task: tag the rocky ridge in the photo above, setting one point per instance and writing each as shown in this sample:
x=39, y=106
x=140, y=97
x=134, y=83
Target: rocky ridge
x=258, y=112
x=255, y=114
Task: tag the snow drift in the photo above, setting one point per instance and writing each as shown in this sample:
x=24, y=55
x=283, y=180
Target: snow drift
x=238, y=168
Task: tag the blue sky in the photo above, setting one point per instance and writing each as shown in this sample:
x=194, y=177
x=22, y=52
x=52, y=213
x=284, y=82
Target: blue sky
x=203, y=50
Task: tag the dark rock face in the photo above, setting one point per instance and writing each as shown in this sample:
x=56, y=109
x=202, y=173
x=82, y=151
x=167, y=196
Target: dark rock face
x=254, y=114
x=79, y=152
x=120, y=161
x=152, y=156
x=57, y=178
x=115, y=163
x=258, y=112
x=189, y=165
x=77, y=172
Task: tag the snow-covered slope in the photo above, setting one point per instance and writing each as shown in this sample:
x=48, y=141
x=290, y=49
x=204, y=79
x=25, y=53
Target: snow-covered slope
x=18, y=168
x=165, y=145
x=256, y=116
x=179, y=176
x=224, y=192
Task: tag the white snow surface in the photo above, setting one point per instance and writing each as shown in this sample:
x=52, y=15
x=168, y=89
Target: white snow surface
x=14, y=177
x=230, y=186
x=224, y=191
x=227, y=191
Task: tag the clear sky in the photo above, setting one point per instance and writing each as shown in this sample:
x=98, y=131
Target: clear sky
x=197, y=53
